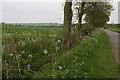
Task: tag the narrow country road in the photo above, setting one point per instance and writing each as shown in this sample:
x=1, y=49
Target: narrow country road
x=114, y=41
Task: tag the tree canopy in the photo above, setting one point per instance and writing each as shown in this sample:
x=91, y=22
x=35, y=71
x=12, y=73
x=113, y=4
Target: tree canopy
x=97, y=13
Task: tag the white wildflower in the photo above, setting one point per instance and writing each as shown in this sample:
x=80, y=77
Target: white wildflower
x=80, y=64
x=77, y=70
x=23, y=51
x=19, y=55
x=28, y=38
x=59, y=41
x=23, y=43
x=45, y=51
x=11, y=54
x=53, y=75
x=57, y=48
x=50, y=35
x=28, y=66
x=30, y=56
x=83, y=62
x=75, y=76
x=75, y=57
x=59, y=67
x=67, y=70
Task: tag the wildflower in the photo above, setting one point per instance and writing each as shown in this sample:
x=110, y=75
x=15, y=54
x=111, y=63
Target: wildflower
x=57, y=48
x=59, y=41
x=75, y=76
x=80, y=64
x=11, y=54
x=19, y=42
x=30, y=56
x=83, y=62
x=67, y=70
x=45, y=51
x=19, y=55
x=77, y=70
x=75, y=57
x=50, y=35
x=53, y=75
x=76, y=64
x=23, y=51
x=23, y=43
x=75, y=26
x=59, y=67
x=28, y=66
x=28, y=38
x=85, y=76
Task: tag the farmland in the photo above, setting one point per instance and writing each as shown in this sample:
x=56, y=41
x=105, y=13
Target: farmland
x=37, y=52
x=28, y=49
x=114, y=27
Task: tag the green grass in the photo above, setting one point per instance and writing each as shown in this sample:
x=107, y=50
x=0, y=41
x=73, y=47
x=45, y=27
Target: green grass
x=92, y=58
x=37, y=52
x=28, y=46
x=115, y=29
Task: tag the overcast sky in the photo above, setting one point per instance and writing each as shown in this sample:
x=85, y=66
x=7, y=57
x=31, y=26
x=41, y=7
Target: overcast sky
x=40, y=12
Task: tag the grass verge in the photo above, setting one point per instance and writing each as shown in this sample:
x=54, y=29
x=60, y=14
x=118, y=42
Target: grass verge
x=115, y=29
x=92, y=58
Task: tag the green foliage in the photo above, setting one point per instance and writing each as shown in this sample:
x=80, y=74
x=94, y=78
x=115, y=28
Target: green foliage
x=28, y=49
x=92, y=58
x=37, y=52
x=97, y=13
x=87, y=30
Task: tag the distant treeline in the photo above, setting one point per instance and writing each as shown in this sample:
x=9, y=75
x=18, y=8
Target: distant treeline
x=113, y=25
x=33, y=24
x=49, y=24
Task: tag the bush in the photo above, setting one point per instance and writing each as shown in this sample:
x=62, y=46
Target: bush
x=87, y=30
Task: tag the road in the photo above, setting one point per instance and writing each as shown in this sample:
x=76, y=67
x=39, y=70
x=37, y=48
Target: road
x=114, y=41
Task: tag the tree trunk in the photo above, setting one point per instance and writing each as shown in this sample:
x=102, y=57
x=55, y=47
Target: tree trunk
x=67, y=23
x=80, y=15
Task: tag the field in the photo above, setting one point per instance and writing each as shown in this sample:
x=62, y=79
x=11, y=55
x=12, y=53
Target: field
x=37, y=52
x=115, y=29
x=28, y=49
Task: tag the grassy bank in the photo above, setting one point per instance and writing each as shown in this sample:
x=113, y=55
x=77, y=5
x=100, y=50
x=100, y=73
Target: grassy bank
x=115, y=29
x=37, y=52
x=92, y=58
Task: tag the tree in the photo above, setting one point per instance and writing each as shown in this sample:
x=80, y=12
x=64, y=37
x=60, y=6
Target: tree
x=97, y=13
x=3, y=23
x=67, y=22
x=80, y=15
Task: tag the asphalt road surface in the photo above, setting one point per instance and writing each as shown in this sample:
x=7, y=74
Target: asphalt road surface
x=114, y=41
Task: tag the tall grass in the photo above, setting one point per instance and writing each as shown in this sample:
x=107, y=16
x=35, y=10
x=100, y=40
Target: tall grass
x=28, y=49
x=92, y=58
x=37, y=52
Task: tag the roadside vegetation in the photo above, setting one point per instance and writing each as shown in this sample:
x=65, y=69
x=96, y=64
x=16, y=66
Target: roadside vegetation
x=38, y=51
x=92, y=58
x=115, y=29
x=68, y=52
x=28, y=49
